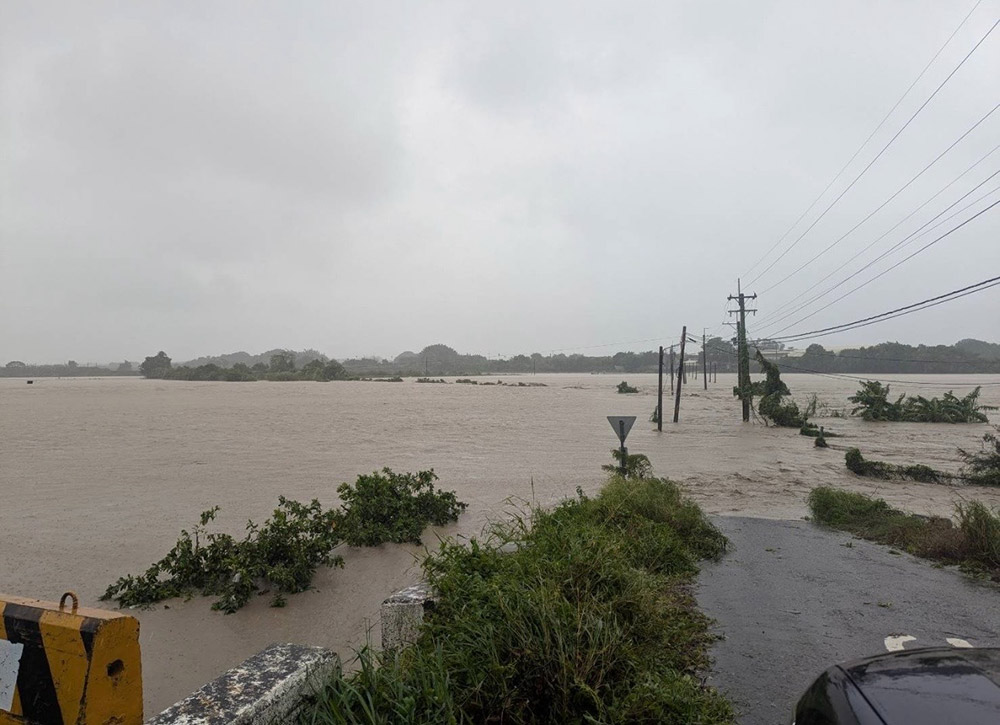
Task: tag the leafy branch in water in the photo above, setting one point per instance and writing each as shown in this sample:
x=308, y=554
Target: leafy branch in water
x=282, y=555
x=624, y=387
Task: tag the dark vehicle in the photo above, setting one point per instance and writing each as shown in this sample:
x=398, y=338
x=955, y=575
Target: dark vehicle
x=915, y=687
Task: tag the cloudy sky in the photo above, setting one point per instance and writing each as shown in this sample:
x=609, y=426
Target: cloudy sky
x=369, y=177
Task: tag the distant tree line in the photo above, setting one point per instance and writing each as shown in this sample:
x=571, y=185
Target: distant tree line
x=19, y=369
x=965, y=356
x=280, y=367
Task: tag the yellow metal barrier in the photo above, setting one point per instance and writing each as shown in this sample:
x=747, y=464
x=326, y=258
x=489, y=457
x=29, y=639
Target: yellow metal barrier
x=65, y=664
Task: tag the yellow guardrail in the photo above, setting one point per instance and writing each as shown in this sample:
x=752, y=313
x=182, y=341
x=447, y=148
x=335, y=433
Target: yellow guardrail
x=60, y=663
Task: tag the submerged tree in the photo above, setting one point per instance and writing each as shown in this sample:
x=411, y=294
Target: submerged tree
x=771, y=390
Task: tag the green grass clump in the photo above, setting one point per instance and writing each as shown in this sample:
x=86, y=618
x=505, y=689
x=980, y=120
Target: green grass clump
x=624, y=388
x=973, y=543
x=588, y=619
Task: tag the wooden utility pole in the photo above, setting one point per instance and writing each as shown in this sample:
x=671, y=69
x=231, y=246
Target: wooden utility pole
x=659, y=396
x=671, y=369
x=680, y=370
x=743, y=373
x=704, y=358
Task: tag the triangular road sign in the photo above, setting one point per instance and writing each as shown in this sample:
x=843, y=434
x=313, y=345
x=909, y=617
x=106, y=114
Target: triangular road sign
x=621, y=424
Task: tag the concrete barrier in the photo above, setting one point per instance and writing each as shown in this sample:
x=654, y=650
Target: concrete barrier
x=265, y=689
x=62, y=663
x=403, y=613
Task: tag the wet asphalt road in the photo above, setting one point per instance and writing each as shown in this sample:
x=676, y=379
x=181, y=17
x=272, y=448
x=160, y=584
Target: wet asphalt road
x=792, y=599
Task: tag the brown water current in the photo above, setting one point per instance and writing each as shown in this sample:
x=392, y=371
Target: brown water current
x=98, y=476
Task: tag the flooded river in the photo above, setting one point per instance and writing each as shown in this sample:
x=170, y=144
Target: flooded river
x=98, y=476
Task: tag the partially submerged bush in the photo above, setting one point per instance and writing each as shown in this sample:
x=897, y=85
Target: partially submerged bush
x=886, y=471
x=771, y=391
x=588, y=619
x=982, y=467
x=872, y=403
x=624, y=387
x=281, y=555
x=386, y=506
x=637, y=465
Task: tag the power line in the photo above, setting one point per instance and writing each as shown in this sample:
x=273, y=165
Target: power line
x=884, y=203
x=920, y=231
x=865, y=142
x=893, y=228
x=889, y=269
x=899, y=311
x=879, y=154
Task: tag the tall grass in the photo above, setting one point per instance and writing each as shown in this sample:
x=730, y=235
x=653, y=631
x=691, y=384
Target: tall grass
x=974, y=542
x=588, y=619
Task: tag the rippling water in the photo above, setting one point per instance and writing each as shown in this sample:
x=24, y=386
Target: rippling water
x=97, y=477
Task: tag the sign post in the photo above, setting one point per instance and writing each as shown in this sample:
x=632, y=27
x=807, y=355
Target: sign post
x=622, y=424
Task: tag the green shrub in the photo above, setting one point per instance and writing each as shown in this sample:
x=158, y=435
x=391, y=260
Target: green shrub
x=637, y=465
x=983, y=467
x=281, y=556
x=387, y=506
x=588, y=619
x=624, y=388
x=872, y=402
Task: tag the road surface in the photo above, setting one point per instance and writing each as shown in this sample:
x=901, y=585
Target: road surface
x=792, y=598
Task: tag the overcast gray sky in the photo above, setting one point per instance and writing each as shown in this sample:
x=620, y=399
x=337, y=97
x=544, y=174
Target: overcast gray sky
x=369, y=177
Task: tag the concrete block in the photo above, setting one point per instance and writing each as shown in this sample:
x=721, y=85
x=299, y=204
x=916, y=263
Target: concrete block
x=267, y=688
x=403, y=613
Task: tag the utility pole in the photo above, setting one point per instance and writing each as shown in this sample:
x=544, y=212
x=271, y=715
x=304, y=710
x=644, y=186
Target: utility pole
x=671, y=369
x=659, y=396
x=704, y=358
x=743, y=358
x=677, y=400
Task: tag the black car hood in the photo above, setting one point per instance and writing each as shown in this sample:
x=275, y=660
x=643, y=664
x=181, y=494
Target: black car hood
x=941, y=685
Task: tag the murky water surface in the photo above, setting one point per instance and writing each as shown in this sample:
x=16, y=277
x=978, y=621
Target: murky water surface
x=97, y=477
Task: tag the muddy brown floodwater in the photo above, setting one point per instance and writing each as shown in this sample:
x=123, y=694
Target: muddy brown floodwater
x=98, y=476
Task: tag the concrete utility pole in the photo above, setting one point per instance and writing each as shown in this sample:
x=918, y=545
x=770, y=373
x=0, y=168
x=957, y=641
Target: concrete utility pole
x=680, y=376
x=704, y=358
x=743, y=355
x=659, y=395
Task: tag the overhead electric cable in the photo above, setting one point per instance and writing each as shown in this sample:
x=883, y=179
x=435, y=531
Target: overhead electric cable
x=889, y=269
x=879, y=154
x=784, y=305
x=917, y=233
x=883, y=204
x=899, y=311
x=865, y=142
